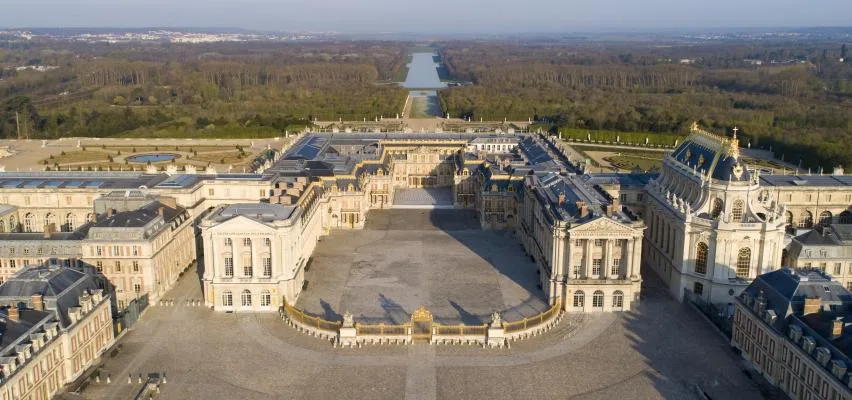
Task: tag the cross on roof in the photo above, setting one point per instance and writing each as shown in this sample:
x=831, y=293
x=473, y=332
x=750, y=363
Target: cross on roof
x=735, y=132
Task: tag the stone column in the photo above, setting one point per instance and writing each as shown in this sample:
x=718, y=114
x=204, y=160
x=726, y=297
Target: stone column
x=605, y=269
x=587, y=258
x=628, y=264
x=635, y=259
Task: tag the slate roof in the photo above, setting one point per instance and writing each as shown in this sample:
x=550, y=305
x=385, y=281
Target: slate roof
x=60, y=286
x=261, y=212
x=140, y=217
x=707, y=152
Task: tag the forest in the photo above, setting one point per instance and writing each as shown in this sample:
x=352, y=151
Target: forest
x=215, y=90
x=795, y=98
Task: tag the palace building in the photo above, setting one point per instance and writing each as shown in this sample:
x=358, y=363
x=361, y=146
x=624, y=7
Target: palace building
x=707, y=224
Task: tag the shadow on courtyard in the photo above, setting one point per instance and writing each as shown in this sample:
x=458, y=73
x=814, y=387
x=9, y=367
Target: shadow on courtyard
x=685, y=356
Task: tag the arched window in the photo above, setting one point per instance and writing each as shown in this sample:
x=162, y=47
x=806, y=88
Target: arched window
x=579, y=299
x=701, y=258
x=2, y=226
x=29, y=221
x=597, y=299
x=718, y=205
x=70, y=223
x=698, y=289
x=90, y=217
x=806, y=219
x=13, y=224
x=744, y=262
x=845, y=217
x=789, y=217
x=265, y=298
x=737, y=211
x=227, y=298
x=49, y=221
x=617, y=300
x=267, y=242
x=228, y=242
x=245, y=298
x=825, y=218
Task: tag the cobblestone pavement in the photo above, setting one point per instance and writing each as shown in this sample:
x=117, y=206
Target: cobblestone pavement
x=423, y=197
x=405, y=259
x=662, y=349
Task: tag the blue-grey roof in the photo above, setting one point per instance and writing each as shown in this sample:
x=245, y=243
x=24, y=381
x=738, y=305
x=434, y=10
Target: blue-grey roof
x=60, y=286
x=806, y=180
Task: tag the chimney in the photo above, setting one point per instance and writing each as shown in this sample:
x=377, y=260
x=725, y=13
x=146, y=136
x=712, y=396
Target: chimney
x=38, y=302
x=812, y=305
x=14, y=314
x=162, y=211
x=584, y=211
x=47, y=231
x=110, y=212
x=561, y=199
x=609, y=210
x=837, y=327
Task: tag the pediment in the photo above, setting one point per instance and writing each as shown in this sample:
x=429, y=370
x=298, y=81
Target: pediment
x=241, y=223
x=603, y=227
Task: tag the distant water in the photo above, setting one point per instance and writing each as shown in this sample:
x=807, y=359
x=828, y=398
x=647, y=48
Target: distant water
x=423, y=72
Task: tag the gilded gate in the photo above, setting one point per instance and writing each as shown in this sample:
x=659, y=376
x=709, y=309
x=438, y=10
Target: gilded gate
x=421, y=324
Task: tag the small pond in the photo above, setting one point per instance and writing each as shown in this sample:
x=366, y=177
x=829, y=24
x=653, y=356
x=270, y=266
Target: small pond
x=146, y=158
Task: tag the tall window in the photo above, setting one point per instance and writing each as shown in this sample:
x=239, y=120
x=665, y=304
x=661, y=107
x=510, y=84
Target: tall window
x=2, y=226
x=267, y=242
x=789, y=218
x=246, y=298
x=701, y=259
x=596, y=267
x=135, y=266
x=137, y=287
x=579, y=299
x=49, y=221
x=845, y=218
x=118, y=266
x=229, y=267
x=617, y=300
x=247, y=242
x=698, y=289
x=825, y=218
x=737, y=211
x=717, y=207
x=267, y=267
x=597, y=299
x=806, y=219
x=265, y=298
x=578, y=271
x=29, y=221
x=228, y=242
x=99, y=266
x=744, y=262
x=70, y=223
x=615, y=269
x=227, y=298
x=247, y=269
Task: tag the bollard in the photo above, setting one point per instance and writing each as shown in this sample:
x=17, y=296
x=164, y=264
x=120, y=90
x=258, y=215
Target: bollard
x=164, y=377
x=109, y=379
x=97, y=378
x=129, y=379
x=140, y=379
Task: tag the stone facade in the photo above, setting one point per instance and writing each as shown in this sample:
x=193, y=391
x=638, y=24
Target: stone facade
x=792, y=328
x=710, y=230
x=827, y=248
x=59, y=326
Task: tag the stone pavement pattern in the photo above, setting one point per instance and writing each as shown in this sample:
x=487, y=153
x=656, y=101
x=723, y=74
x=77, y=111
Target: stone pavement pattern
x=661, y=350
x=405, y=259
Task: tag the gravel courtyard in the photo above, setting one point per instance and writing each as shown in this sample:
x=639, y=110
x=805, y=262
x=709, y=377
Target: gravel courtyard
x=439, y=259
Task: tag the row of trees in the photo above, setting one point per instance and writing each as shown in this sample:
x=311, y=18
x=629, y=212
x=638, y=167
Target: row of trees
x=800, y=108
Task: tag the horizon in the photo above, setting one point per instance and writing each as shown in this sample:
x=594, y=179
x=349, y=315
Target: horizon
x=438, y=17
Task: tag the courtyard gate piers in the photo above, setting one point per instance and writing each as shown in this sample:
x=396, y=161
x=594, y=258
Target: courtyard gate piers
x=421, y=328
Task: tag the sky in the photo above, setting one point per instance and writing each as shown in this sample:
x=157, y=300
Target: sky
x=429, y=16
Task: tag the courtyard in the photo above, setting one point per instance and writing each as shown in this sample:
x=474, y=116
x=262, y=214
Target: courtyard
x=437, y=258
x=661, y=350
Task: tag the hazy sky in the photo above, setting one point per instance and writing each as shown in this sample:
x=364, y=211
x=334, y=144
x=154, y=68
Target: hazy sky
x=424, y=16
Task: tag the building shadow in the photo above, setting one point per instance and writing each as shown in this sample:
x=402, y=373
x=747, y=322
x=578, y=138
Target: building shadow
x=685, y=356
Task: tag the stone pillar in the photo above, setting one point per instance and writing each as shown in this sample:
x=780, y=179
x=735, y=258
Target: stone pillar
x=587, y=258
x=635, y=258
x=629, y=264
x=607, y=263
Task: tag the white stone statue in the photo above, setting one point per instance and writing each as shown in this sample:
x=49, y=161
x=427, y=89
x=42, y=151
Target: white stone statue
x=348, y=321
x=496, y=320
